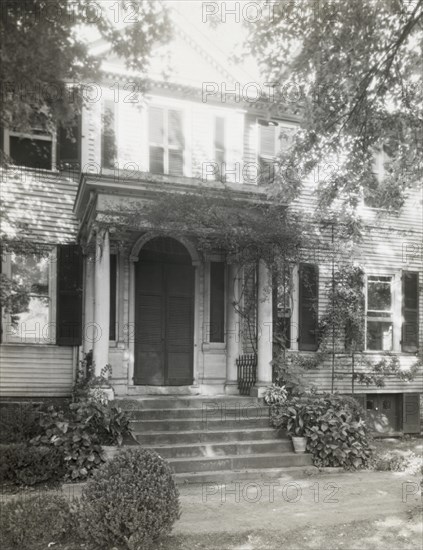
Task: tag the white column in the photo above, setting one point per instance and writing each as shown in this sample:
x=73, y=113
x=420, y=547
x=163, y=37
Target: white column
x=88, y=331
x=232, y=330
x=264, y=325
x=102, y=300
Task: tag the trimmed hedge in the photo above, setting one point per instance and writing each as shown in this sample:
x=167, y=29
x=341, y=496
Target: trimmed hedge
x=130, y=501
x=26, y=465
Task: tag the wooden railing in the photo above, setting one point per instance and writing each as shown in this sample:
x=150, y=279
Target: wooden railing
x=247, y=372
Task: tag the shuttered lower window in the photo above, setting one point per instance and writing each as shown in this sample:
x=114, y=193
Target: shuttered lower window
x=166, y=141
x=410, y=311
x=308, y=307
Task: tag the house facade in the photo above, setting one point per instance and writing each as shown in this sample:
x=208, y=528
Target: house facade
x=153, y=305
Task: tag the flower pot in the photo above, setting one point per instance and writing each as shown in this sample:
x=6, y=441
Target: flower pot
x=300, y=444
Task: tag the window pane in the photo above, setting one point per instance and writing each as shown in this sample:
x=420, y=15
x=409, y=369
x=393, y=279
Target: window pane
x=31, y=271
x=176, y=136
x=379, y=294
x=156, y=160
x=156, y=126
x=176, y=163
x=32, y=324
x=34, y=153
x=217, y=302
x=379, y=336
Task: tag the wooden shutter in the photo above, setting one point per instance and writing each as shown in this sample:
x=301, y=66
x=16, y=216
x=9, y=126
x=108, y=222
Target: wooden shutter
x=411, y=413
x=267, y=141
x=108, y=135
x=113, y=279
x=69, y=295
x=217, y=302
x=156, y=139
x=176, y=143
x=410, y=311
x=308, y=305
x=69, y=147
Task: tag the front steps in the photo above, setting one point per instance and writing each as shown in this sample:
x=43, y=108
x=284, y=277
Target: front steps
x=212, y=439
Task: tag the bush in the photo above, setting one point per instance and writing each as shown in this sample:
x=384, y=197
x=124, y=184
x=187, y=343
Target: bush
x=80, y=432
x=130, y=501
x=21, y=464
x=334, y=426
x=31, y=523
x=275, y=395
x=19, y=422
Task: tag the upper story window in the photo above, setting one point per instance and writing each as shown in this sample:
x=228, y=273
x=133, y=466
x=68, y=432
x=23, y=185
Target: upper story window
x=166, y=140
x=34, y=150
x=379, y=315
x=108, y=135
x=274, y=138
x=219, y=145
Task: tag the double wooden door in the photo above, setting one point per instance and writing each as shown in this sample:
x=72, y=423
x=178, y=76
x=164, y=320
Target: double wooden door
x=164, y=323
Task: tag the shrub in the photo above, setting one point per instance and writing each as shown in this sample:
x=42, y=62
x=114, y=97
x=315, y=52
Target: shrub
x=335, y=428
x=81, y=431
x=399, y=461
x=21, y=464
x=130, y=501
x=18, y=422
x=275, y=394
x=32, y=523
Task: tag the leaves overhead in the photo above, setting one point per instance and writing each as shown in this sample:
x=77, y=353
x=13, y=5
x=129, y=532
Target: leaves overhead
x=359, y=67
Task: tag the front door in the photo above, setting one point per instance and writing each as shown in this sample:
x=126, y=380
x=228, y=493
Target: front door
x=384, y=412
x=164, y=315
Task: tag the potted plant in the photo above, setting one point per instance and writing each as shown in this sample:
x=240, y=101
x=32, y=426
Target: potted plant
x=294, y=416
x=275, y=395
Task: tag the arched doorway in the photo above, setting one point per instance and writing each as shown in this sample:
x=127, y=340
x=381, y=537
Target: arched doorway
x=164, y=314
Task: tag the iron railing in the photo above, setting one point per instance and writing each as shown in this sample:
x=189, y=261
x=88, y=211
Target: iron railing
x=247, y=372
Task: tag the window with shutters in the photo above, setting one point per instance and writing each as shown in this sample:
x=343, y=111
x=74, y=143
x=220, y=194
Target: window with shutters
x=108, y=134
x=33, y=149
x=379, y=313
x=31, y=319
x=274, y=138
x=219, y=146
x=217, y=302
x=308, y=288
x=166, y=141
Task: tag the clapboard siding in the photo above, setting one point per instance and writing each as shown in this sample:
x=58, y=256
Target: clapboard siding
x=41, y=202
x=37, y=370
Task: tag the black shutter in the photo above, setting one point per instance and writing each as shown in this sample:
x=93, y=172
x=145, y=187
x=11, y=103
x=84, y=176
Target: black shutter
x=308, y=304
x=217, y=302
x=411, y=413
x=69, y=147
x=113, y=280
x=410, y=311
x=69, y=295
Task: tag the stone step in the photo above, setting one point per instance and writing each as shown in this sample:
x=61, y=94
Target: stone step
x=217, y=484
x=216, y=411
x=239, y=462
x=140, y=426
x=215, y=450
x=185, y=402
x=183, y=437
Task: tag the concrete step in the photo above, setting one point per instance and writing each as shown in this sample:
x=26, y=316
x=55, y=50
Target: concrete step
x=239, y=462
x=218, y=483
x=195, y=450
x=177, y=402
x=202, y=437
x=249, y=411
x=140, y=426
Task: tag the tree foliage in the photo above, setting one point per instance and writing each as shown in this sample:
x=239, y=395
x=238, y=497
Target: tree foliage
x=45, y=53
x=358, y=66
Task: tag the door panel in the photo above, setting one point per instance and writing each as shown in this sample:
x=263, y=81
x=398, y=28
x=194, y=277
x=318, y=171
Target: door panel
x=411, y=413
x=164, y=324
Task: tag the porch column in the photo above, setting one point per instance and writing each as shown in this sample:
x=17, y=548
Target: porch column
x=88, y=328
x=232, y=330
x=102, y=300
x=264, y=326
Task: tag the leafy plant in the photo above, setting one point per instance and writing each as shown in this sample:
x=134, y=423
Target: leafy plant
x=275, y=394
x=21, y=464
x=35, y=523
x=334, y=426
x=130, y=501
x=19, y=423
